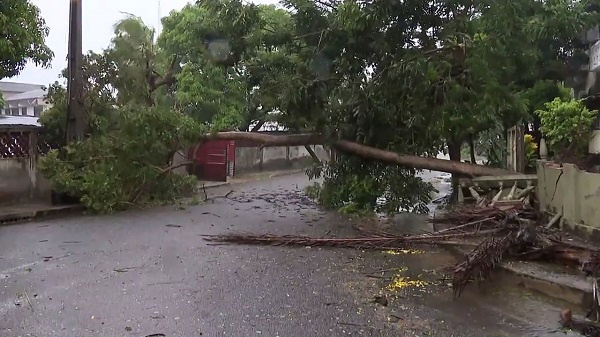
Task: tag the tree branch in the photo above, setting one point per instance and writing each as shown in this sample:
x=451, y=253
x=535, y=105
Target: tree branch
x=169, y=78
x=258, y=125
x=172, y=167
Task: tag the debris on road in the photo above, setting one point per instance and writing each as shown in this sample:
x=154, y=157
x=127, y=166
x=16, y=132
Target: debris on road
x=499, y=228
x=586, y=328
x=375, y=240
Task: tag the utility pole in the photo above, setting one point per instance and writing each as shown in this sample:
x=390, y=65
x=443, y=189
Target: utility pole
x=75, y=116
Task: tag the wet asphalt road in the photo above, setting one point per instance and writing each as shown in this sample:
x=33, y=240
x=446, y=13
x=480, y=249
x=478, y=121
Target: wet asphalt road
x=149, y=272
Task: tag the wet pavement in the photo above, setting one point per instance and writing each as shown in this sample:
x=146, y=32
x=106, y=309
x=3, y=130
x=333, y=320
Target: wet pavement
x=149, y=272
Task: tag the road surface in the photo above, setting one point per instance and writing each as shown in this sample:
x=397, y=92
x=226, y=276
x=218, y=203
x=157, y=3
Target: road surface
x=149, y=272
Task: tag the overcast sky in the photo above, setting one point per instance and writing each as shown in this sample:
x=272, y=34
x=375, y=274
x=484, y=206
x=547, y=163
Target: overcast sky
x=99, y=17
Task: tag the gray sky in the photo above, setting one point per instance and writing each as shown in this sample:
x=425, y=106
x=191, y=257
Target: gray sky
x=99, y=17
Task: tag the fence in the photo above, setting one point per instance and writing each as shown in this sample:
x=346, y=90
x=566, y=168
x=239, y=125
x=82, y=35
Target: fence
x=20, y=181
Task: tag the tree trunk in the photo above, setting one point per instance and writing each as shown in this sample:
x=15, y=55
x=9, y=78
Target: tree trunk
x=367, y=152
x=455, y=154
x=472, y=149
x=537, y=134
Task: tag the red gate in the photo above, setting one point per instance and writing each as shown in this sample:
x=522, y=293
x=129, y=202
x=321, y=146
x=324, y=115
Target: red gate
x=211, y=160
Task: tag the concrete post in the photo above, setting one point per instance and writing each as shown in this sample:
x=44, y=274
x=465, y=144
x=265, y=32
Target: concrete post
x=33, y=156
x=543, y=149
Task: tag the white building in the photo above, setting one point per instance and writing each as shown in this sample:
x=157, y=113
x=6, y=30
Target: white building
x=23, y=99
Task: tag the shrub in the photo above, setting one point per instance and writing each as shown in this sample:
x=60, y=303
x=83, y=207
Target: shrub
x=566, y=125
x=531, y=148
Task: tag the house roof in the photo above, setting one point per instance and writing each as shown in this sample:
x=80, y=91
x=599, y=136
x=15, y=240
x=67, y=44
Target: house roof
x=18, y=87
x=26, y=95
x=19, y=121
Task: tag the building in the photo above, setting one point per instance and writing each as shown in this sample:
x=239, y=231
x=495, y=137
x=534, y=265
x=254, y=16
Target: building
x=23, y=99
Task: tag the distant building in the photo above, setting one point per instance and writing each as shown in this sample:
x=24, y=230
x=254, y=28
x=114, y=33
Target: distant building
x=23, y=99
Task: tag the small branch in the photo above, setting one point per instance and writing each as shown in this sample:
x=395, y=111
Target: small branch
x=156, y=82
x=313, y=154
x=226, y=196
x=258, y=125
x=29, y=301
x=206, y=198
x=324, y=4
x=554, y=220
x=352, y=324
x=525, y=192
x=478, y=222
x=172, y=167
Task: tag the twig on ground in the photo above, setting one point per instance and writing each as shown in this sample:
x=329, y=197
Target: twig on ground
x=352, y=324
x=477, y=222
x=28, y=300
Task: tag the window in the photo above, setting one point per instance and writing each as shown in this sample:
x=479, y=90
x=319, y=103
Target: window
x=37, y=110
x=14, y=111
x=24, y=111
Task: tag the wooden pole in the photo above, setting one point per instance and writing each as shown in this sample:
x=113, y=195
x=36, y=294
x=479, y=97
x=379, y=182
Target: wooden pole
x=75, y=117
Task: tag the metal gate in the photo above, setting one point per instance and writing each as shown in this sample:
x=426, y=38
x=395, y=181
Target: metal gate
x=210, y=160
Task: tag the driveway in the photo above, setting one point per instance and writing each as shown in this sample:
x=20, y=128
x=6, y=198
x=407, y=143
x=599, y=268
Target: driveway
x=149, y=272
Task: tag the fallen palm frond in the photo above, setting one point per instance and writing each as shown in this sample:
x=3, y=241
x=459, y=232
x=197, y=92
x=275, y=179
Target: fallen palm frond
x=469, y=218
x=373, y=241
x=480, y=262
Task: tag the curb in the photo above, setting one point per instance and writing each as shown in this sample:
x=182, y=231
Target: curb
x=286, y=173
x=266, y=176
x=553, y=282
x=570, y=288
x=19, y=217
x=219, y=184
x=31, y=215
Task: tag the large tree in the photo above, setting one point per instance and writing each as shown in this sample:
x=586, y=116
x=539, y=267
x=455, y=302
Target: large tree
x=411, y=77
x=372, y=79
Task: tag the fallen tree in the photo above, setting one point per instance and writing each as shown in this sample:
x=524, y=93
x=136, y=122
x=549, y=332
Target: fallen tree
x=425, y=163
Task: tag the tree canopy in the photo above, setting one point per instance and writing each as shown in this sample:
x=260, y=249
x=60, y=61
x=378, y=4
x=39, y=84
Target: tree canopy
x=409, y=77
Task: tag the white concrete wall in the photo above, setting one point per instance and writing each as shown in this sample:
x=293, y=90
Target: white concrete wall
x=571, y=191
x=252, y=159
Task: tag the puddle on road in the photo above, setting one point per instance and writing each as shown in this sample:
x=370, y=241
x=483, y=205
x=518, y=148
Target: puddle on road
x=532, y=314
x=497, y=304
